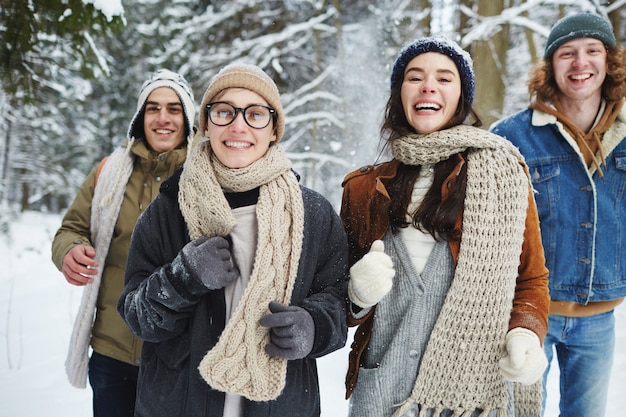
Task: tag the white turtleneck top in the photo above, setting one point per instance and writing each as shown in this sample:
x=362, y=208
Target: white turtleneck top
x=419, y=244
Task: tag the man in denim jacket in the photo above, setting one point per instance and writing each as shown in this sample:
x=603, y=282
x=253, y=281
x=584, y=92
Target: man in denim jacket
x=573, y=139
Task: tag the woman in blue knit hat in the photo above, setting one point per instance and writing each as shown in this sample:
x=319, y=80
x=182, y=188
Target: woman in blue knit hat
x=448, y=282
x=573, y=136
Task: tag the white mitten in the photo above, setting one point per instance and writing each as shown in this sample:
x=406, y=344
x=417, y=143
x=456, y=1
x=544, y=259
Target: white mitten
x=371, y=277
x=525, y=361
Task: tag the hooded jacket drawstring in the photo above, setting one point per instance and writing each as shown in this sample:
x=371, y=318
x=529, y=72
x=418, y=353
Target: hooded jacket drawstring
x=590, y=142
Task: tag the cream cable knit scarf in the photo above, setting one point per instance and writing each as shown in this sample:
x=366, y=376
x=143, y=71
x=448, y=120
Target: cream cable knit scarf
x=238, y=364
x=105, y=208
x=459, y=370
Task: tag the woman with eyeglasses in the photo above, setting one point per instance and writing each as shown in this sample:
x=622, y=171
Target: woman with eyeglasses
x=448, y=281
x=237, y=275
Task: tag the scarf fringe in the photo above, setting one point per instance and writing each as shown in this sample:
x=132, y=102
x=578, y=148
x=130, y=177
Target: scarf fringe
x=407, y=406
x=404, y=407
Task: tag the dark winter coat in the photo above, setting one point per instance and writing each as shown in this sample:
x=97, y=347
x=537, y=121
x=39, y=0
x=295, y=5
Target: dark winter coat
x=178, y=334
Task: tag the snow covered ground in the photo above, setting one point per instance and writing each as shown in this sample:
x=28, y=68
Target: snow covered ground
x=37, y=310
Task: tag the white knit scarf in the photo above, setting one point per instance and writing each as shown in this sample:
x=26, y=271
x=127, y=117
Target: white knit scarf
x=105, y=207
x=238, y=364
x=459, y=370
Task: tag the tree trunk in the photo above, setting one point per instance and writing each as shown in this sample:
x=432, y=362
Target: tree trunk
x=532, y=48
x=25, y=205
x=4, y=171
x=616, y=21
x=490, y=67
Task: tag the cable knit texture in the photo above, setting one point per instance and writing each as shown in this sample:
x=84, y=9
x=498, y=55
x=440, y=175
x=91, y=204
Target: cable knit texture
x=238, y=364
x=106, y=203
x=459, y=370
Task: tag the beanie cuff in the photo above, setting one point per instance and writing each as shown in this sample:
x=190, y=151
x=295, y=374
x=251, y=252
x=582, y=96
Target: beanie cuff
x=442, y=45
x=169, y=79
x=583, y=25
x=251, y=78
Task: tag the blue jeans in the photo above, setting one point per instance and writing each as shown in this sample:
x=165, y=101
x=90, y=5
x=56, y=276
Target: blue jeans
x=584, y=348
x=114, y=384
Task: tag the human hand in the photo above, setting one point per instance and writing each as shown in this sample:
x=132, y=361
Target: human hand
x=78, y=266
x=371, y=277
x=525, y=361
x=210, y=261
x=292, y=331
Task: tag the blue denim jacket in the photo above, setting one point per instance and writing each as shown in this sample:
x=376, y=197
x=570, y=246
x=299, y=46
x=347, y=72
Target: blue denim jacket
x=582, y=215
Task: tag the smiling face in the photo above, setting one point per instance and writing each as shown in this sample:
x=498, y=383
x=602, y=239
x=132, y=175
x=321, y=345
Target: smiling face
x=164, y=120
x=238, y=145
x=580, y=68
x=430, y=91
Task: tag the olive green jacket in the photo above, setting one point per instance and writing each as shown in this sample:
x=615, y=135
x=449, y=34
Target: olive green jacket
x=110, y=336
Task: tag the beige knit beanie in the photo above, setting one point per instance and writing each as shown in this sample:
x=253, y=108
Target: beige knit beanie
x=246, y=76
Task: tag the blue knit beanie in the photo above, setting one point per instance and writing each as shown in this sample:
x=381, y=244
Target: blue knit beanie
x=444, y=46
x=584, y=25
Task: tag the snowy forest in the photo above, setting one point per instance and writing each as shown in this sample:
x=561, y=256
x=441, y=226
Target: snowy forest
x=71, y=71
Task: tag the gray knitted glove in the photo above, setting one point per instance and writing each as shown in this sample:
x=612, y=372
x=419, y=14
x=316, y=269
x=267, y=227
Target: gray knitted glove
x=292, y=331
x=209, y=260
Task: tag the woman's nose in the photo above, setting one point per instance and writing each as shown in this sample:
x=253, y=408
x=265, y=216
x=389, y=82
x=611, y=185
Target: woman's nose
x=427, y=87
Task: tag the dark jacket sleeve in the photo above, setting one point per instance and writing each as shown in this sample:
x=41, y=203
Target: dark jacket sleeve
x=158, y=297
x=325, y=254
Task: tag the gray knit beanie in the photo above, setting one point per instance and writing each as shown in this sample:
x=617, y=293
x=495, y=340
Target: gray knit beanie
x=444, y=46
x=170, y=79
x=251, y=78
x=583, y=25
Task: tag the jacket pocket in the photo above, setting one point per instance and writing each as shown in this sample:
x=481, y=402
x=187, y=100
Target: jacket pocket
x=620, y=162
x=367, y=397
x=174, y=352
x=618, y=181
x=544, y=176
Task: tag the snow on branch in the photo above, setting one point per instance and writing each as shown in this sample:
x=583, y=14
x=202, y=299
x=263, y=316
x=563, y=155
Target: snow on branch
x=488, y=26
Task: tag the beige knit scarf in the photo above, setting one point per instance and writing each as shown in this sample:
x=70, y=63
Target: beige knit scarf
x=238, y=364
x=459, y=370
x=105, y=208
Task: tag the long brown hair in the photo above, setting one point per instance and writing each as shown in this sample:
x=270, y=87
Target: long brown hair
x=434, y=215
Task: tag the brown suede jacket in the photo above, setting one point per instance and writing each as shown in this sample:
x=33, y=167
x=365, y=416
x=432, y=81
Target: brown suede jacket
x=365, y=214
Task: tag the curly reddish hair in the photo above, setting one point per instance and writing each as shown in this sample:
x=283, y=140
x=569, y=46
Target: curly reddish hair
x=543, y=84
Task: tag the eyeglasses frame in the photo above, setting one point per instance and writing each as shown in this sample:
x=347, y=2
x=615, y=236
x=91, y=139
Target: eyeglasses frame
x=241, y=110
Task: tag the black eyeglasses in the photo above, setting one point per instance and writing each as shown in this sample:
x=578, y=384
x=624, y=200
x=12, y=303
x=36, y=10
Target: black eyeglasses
x=256, y=116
